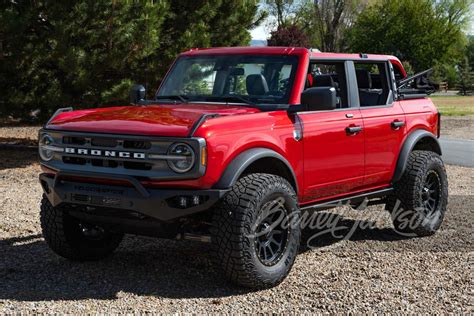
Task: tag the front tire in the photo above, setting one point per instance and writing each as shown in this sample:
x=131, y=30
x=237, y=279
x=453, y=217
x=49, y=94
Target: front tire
x=419, y=203
x=256, y=232
x=73, y=240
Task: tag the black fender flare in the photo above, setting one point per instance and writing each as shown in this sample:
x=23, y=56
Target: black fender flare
x=238, y=165
x=407, y=148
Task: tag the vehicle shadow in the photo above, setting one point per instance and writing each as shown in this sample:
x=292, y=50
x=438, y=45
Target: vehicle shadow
x=330, y=228
x=29, y=271
x=17, y=157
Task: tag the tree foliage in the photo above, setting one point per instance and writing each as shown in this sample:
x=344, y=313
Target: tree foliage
x=326, y=21
x=88, y=53
x=466, y=78
x=422, y=32
x=281, y=10
x=290, y=35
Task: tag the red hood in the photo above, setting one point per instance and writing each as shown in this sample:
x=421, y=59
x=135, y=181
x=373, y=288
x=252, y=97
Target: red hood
x=153, y=120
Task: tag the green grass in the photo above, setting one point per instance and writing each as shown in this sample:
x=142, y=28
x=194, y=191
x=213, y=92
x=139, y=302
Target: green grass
x=454, y=105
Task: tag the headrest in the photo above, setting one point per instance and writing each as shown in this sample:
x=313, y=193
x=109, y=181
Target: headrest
x=323, y=81
x=363, y=79
x=256, y=84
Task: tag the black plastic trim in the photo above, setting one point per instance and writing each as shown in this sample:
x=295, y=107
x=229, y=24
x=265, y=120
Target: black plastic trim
x=349, y=199
x=201, y=120
x=407, y=148
x=235, y=169
x=352, y=91
x=153, y=203
x=58, y=111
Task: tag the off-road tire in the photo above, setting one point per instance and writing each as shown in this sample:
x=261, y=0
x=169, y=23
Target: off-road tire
x=235, y=219
x=407, y=203
x=63, y=234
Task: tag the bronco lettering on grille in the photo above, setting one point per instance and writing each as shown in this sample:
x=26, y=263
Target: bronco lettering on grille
x=104, y=153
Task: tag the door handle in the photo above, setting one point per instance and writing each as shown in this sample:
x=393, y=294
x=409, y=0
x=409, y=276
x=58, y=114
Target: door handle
x=397, y=124
x=353, y=130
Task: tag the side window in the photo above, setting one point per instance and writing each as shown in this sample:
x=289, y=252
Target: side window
x=329, y=74
x=373, y=83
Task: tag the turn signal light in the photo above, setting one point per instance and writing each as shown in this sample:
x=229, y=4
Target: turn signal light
x=203, y=156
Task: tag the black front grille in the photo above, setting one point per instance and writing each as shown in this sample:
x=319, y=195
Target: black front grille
x=74, y=140
x=134, y=144
x=129, y=155
x=137, y=165
x=104, y=163
x=74, y=160
x=104, y=142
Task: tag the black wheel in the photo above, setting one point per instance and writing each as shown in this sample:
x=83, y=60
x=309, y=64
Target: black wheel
x=71, y=239
x=256, y=231
x=421, y=196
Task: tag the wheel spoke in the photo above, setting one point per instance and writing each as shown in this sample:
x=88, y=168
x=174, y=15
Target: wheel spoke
x=273, y=237
x=271, y=252
x=274, y=242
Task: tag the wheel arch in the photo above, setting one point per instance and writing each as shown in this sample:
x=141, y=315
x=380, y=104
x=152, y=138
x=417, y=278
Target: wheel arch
x=253, y=160
x=416, y=140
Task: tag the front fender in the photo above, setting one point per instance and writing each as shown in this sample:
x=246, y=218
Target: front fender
x=238, y=165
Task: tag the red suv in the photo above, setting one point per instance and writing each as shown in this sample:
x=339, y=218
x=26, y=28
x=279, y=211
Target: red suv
x=236, y=144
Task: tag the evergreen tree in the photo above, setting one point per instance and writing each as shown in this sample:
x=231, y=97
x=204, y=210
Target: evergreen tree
x=466, y=78
x=88, y=53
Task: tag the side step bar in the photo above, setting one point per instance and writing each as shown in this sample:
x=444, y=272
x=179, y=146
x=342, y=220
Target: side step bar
x=351, y=200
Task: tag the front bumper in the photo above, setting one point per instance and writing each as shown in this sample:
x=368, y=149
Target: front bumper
x=156, y=203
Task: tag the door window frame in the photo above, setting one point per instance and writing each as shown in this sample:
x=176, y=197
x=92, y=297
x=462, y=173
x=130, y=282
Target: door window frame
x=388, y=77
x=352, y=86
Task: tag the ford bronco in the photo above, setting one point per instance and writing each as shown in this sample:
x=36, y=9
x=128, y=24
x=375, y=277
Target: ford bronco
x=235, y=145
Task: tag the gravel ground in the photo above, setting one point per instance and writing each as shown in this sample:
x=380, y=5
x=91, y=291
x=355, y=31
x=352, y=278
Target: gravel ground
x=373, y=271
x=457, y=127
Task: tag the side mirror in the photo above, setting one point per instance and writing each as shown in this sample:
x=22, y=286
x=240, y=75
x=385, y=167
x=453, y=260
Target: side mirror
x=319, y=98
x=137, y=94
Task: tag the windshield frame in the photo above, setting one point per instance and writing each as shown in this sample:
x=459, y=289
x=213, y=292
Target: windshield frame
x=285, y=101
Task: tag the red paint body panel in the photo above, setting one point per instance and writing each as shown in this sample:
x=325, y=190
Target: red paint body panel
x=333, y=160
x=382, y=142
x=151, y=120
x=327, y=162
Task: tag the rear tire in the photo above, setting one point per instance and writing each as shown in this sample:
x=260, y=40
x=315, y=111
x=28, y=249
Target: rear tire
x=419, y=202
x=65, y=235
x=252, y=245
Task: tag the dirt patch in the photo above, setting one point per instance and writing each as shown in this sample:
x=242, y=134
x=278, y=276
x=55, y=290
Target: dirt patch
x=457, y=127
x=373, y=271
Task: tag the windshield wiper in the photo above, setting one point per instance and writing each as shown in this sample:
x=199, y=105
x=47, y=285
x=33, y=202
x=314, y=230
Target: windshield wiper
x=181, y=98
x=230, y=98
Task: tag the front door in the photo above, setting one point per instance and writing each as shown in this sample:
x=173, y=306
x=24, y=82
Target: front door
x=333, y=141
x=333, y=144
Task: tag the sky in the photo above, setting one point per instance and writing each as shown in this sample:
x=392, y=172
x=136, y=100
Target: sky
x=259, y=33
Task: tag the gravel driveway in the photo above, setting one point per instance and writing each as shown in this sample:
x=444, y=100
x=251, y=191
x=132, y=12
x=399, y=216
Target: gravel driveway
x=374, y=271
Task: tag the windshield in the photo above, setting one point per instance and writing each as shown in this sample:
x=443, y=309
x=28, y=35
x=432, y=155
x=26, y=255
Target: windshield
x=252, y=79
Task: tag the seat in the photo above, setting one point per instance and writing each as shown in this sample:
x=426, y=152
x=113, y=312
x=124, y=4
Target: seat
x=367, y=95
x=256, y=84
x=324, y=81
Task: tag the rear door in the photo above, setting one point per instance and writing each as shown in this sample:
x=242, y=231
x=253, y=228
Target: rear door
x=333, y=141
x=383, y=119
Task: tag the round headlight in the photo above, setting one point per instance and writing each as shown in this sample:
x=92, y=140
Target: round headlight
x=44, y=152
x=181, y=157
